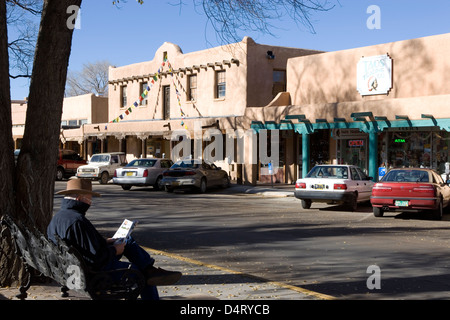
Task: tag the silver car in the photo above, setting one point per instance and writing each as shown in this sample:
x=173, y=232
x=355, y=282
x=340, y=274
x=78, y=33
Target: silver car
x=194, y=174
x=142, y=172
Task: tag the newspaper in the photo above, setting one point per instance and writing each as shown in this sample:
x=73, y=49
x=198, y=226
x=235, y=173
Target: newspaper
x=125, y=229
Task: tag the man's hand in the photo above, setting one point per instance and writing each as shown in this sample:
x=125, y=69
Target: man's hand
x=120, y=247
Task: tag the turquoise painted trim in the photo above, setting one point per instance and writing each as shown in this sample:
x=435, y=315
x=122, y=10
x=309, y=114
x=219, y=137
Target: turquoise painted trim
x=307, y=127
x=305, y=154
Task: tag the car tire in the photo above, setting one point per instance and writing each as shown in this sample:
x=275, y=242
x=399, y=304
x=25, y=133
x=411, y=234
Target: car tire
x=225, y=182
x=353, y=203
x=126, y=187
x=203, y=186
x=104, y=178
x=59, y=174
x=378, y=212
x=158, y=185
x=437, y=213
x=306, y=204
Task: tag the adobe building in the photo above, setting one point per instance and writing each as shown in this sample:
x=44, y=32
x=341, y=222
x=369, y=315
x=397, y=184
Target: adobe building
x=386, y=105
x=77, y=111
x=197, y=91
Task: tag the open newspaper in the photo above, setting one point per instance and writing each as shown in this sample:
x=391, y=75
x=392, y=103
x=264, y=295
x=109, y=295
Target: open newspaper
x=125, y=229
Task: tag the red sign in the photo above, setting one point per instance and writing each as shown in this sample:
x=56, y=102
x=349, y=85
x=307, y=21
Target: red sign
x=356, y=143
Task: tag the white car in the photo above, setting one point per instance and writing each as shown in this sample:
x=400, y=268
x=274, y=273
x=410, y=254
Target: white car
x=346, y=184
x=101, y=166
x=142, y=172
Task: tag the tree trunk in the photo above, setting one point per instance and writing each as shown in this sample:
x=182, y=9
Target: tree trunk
x=36, y=166
x=7, y=257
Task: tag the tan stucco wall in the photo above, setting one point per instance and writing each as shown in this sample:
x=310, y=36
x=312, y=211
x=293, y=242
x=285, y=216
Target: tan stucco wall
x=420, y=68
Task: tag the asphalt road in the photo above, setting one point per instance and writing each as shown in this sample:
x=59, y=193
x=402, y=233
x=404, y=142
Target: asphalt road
x=325, y=249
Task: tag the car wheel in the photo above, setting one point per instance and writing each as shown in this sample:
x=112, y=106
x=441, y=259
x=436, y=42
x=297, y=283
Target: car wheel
x=59, y=174
x=169, y=189
x=378, y=212
x=306, y=204
x=225, y=182
x=104, y=178
x=437, y=213
x=158, y=185
x=126, y=187
x=202, y=188
x=353, y=203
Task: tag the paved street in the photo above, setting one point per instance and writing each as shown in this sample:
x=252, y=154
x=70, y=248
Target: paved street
x=325, y=249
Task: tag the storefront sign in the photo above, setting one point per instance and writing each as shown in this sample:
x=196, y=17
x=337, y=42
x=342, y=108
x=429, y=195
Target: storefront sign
x=356, y=143
x=374, y=75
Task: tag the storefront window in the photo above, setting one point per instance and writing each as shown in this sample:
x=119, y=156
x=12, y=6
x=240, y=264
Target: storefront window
x=420, y=149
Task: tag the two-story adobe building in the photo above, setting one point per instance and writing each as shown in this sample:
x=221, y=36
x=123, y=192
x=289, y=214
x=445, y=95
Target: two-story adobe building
x=195, y=91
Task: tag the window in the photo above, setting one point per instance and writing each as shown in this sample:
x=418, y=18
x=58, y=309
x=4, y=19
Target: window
x=143, y=95
x=82, y=121
x=192, y=89
x=123, y=97
x=220, y=84
x=73, y=123
x=279, y=82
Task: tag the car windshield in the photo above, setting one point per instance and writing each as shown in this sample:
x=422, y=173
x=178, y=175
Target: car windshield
x=142, y=163
x=333, y=172
x=192, y=164
x=406, y=176
x=100, y=158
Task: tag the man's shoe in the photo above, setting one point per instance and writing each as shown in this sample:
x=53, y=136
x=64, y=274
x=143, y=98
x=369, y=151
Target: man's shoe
x=161, y=277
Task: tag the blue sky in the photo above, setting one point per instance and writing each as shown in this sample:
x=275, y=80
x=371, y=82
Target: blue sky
x=133, y=33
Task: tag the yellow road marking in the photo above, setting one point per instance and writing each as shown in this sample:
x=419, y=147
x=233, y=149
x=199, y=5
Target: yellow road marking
x=279, y=284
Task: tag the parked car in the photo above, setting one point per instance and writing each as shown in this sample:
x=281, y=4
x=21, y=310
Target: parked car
x=68, y=163
x=194, y=174
x=101, y=166
x=410, y=189
x=346, y=184
x=142, y=172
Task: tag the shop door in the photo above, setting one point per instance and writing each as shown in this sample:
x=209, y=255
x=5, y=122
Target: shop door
x=353, y=151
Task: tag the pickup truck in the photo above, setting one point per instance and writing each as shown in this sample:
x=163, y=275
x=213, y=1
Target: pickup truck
x=101, y=166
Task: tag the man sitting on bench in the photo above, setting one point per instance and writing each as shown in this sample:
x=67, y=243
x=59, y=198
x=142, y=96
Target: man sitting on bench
x=100, y=254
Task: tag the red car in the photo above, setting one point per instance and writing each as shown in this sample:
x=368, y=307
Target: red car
x=410, y=189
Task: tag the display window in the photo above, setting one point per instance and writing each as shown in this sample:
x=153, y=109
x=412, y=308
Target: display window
x=415, y=148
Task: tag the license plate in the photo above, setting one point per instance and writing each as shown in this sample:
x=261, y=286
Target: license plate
x=130, y=174
x=319, y=186
x=401, y=203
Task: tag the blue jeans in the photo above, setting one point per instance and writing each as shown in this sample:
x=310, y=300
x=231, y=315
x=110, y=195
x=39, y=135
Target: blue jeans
x=139, y=259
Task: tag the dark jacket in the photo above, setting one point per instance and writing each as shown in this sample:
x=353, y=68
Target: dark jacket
x=71, y=225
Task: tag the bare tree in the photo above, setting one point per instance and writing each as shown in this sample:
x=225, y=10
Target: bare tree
x=92, y=79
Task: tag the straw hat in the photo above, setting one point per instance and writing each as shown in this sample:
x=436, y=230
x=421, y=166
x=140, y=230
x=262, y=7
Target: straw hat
x=79, y=186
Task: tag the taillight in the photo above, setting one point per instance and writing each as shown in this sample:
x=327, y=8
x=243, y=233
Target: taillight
x=165, y=173
x=340, y=186
x=189, y=173
x=145, y=174
x=300, y=185
x=115, y=173
x=382, y=189
x=424, y=189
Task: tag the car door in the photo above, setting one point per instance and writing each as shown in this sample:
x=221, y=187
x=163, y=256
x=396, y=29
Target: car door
x=364, y=185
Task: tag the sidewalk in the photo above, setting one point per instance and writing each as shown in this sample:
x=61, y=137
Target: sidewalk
x=200, y=281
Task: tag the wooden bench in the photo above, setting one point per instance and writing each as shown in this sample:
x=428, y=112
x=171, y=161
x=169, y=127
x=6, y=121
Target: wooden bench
x=65, y=265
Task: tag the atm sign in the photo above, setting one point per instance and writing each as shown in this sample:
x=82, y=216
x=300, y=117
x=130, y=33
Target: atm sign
x=356, y=143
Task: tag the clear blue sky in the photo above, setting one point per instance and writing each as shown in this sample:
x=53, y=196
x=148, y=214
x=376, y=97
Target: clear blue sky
x=133, y=33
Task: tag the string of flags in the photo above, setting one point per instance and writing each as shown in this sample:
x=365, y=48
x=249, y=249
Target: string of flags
x=146, y=91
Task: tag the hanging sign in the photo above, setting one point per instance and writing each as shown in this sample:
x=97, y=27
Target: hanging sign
x=374, y=75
